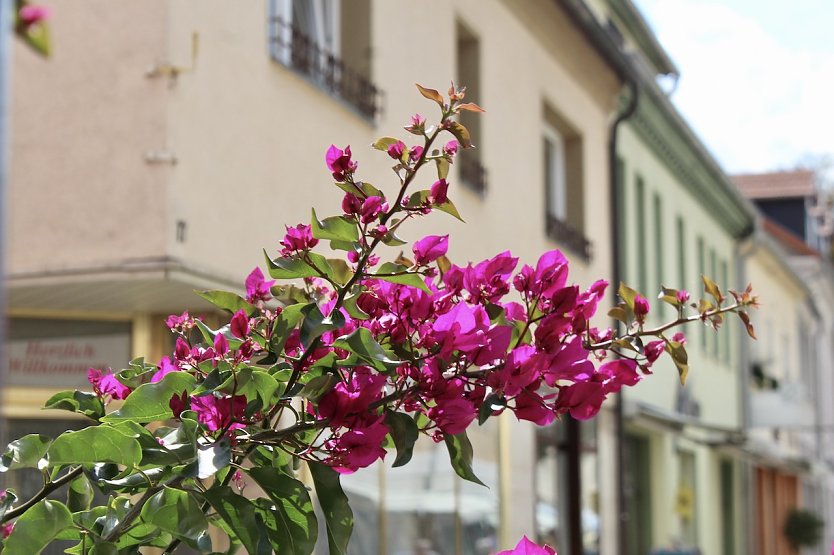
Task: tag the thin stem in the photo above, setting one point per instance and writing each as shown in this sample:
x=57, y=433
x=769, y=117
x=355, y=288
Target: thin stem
x=48, y=488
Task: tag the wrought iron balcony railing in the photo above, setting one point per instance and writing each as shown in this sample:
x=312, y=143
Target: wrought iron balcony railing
x=297, y=50
x=472, y=173
x=572, y=239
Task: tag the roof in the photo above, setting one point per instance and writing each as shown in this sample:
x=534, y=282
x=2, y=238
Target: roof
x=787, y=239
x=644, y=36
x=784, y=184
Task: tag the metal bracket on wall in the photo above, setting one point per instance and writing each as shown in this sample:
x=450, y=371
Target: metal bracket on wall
x=172, y=71
x=161, y=156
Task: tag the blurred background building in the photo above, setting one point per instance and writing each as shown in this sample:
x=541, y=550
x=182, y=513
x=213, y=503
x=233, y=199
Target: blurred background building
x=164, y=144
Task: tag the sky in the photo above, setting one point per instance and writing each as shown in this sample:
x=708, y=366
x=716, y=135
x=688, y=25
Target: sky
x=757, y=77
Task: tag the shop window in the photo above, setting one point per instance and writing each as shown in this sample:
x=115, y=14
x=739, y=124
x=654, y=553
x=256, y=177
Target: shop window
x=57, y=353
x=329, y=45
x=470, y=161
x=563, y=184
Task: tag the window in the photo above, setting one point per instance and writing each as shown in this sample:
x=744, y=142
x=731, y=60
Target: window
x=640, y=201
x=472, y=172
x=702, y=262
x=622, y=218
x=328, y=45
x=682, y=276
x=562, y=173
x=725, y=330
x=658, y=253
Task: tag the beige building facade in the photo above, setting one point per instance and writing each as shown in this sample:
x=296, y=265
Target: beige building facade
x=165, y=144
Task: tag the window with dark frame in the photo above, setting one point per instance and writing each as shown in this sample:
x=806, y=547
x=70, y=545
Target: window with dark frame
x=468, y=59
x=328, y=45
x=563, y=184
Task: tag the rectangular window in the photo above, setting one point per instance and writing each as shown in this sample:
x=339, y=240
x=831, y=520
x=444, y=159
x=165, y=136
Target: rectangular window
x=640, y=210
x=562, y=172
x=329, y=45
x=686, y=506
x=726, y=330
x=702, y=262
x=470, y=161
x=681, y=240
x=713, y=269
x=658, y=255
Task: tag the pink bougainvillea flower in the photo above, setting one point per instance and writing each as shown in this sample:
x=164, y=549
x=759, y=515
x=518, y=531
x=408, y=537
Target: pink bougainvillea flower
x=166, y=366
x=430, y=248
x=451, y=148
x=415, y=152
x=257, y=289
x=106, y=385
x=620, y=372
x=653, y=350
x=178, y=403
x=219, y=413
x=396, y=150
x=682, y=296
x=438, y=192
x=641, y=308
x=33, y=13
x=527, y=547
x=453, y=415
x=358, y=447
x=582, y=399
x=221, y=345
x=239, y=325
x=372, y=207
x=339, y=162
x=6, y=529
x=533, y=408
x=181, y=322
x=298, y=238
x=351, y=204
x=349, y=400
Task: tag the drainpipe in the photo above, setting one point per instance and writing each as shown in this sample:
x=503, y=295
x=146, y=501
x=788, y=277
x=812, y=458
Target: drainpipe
x=616, y=202
x=6, y=23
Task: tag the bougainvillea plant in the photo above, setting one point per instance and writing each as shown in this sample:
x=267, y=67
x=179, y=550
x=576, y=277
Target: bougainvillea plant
x=330, y=364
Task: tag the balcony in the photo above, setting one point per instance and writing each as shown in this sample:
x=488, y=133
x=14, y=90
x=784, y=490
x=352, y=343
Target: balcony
x=568, y=237
x=291, y=46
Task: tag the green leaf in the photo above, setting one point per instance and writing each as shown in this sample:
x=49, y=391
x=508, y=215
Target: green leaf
x=294, y=268
x=628, y=295
x=96, y=444
x=384, y=142
x=396, y=273
x=35, y=36
x=461, y=133
x=315, y=323
x=26, y=452
x=680, y=358
x=334, y=228
x=338, y=515
x=341, y=272
x=318, y=387
x=294, y=516
x=241, y=518
x=360, y=188
x=361, y=343
x=150, y=402
x=81, y=402
x=460, y=455
x=37, y=527
x=431, y=94
x=442, y=167
x=352, y=308
x=79, y=494
x=284, y=324
x=491, y=404
x=211, y=459
x=177, y=512
x=419, y=198
x=404, y=432
x=711, y=288
x=226, y=300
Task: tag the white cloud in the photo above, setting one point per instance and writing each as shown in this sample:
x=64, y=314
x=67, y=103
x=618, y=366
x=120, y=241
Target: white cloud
x=756, y=101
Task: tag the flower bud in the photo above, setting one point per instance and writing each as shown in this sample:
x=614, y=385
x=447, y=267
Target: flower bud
x=641, y=308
